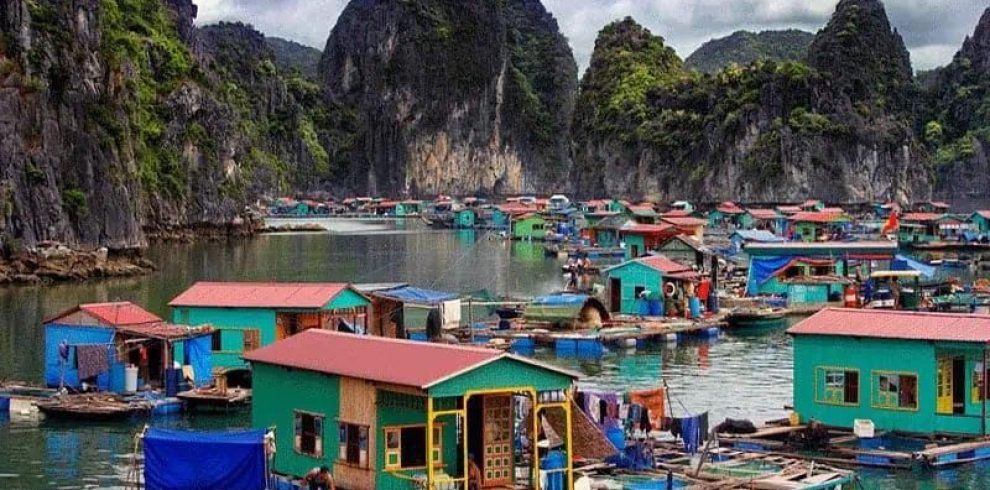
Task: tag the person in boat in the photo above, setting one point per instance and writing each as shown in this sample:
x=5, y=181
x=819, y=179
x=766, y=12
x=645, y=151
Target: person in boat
x=895, y=292
x=587, y=264
x=319, y=479
x=571, y=264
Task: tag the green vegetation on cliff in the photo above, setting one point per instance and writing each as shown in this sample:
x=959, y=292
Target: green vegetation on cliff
x=744, y=47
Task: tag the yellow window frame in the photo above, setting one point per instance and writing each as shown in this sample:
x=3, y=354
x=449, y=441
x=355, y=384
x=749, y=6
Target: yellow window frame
x=395, y=454
x=828, y=397
x=880, y=404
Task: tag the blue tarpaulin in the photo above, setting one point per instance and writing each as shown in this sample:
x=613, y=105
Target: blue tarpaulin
x=902, y=263
x=761, y=269
x=409, y=294
x=199, y=354
x=175, y=460
x=57, y=371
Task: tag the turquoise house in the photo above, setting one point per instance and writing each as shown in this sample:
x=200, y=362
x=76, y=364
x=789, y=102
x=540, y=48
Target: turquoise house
x=387, y=414
x=627, y=281
x=921, y=373
x=408, y=208
x=605, y=233
x=919, y=228
x=247, y=316
x=465, y=218
x=810, y=273
x=981, y=221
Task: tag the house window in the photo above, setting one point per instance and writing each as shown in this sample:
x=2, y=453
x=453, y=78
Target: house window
x=353, y=445
x=638, y=291
x=252, y=339
x=217, y=341
x=838, y=386
x=405, y=447
x=895, y=391
x=309, y=434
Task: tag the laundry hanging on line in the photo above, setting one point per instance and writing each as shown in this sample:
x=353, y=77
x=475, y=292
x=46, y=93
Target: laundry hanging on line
x=92, y=360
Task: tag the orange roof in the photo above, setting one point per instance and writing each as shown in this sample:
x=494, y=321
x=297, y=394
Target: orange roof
x=640, y=229
x=764, y=213
x=729, y=207
x=259, y=295
x=116, y=314
x=684, y=221
x=816, y=217
x=398, y=362
x=663, y=264
x=985, y=214
x=789, y=209
x=676, y=213
x=889, y=324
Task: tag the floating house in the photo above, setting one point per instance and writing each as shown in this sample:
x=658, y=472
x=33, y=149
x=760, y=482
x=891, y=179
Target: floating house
x=919, y=228
x=408, y=208
x=466, y=218
x=812, y=206
x=398, y=309
x=628, y=281
x=573, y=311
x=530, y=226
x=811, y=226
x=247, y=316
x=911, y=372
x=686, y=250
x=764, y=219
x=740, y=238
x=93, y=343
x=605, y=233
x=502, y=215
x=642, y=213
x=788, y=210
x=393, y=414
x=727, y=213
x=980, y=221
x=687, y=225
x=811, y=273
x=934, y=207
x=640, y=238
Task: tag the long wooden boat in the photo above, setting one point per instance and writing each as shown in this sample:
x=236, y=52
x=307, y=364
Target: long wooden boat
x=753, y=319
x=214, y=399
x=92, y=407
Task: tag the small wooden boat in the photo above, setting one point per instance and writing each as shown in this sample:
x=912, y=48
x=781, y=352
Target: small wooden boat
x=214, y=399
x=592, y=271
x=751, y=319
x=92, y=407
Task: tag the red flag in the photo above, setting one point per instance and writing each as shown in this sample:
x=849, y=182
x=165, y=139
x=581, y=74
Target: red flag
x=893, y=223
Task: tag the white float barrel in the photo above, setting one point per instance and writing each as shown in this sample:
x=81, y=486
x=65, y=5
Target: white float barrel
x=130, y=378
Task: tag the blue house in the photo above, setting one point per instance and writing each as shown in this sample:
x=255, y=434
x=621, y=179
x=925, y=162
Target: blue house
x=93, y=343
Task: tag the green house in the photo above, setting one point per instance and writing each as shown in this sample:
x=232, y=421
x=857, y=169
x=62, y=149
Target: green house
x=919, y=228
x=809, y=273
x=394, y=414
x=465, y=218
x=247, y=316
x=408, y=208
x=911, y=372
x=811, y=225
x=530, y=227
x=627, y=281
x=981, y=221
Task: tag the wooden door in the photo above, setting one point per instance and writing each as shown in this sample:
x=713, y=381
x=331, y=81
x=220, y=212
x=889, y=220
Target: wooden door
x=943, y=391
x=498, y=465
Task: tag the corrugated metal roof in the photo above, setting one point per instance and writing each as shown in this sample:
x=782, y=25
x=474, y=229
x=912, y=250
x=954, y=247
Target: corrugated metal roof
x=259, y=295
x=684, y=221
x=398, y=362
x=921, y=217
x=646, y=229
x=118, y=313
x=663, y=264
x=896, y=325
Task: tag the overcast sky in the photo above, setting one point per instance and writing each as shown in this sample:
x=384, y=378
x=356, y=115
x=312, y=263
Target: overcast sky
x=932, y=29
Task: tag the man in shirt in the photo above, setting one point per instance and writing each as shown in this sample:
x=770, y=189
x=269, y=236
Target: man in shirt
x=319, y=479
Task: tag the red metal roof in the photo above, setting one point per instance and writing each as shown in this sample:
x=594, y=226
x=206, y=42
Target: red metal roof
x=641, y=229
x=515, y=208
x=166, y=331
x=729, y=207
x=684, y=221
x=896, y=325
x=117, y=314
x=817, y=217
x=259, y=295
x=921, y=217
x=764, y=213
x=985, y=214
x=676, y=213
x=398, y=362
x=663, y=264
x=789, y=209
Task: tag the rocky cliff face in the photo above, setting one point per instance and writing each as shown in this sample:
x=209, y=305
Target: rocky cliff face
x=291, y=56
x=774, y=131
x=452, y=97
x=956, y=117
x=120, y=118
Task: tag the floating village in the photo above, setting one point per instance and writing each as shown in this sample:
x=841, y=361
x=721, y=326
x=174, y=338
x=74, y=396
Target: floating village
x=400, y=386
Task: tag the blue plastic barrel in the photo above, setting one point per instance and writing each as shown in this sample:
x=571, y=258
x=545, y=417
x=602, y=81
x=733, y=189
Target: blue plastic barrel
x=590, y=348
x=695, y=306
x=644, y=307
x=656, y=307
x=4, y=405
x=419, y=336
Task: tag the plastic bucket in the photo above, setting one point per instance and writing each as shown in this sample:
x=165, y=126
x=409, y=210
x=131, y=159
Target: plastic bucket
x=694, y=304
x=130, y=379
x=4, y=405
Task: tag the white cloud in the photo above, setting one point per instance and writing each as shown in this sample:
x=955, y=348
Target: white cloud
x=932, y=29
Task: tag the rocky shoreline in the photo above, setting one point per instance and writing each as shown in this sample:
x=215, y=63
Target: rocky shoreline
x=51, y=262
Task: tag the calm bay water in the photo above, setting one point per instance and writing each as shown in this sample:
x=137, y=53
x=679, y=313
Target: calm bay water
x=739, y=376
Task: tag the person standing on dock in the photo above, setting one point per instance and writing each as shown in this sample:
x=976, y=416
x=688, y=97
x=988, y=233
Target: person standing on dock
x=319, y=479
